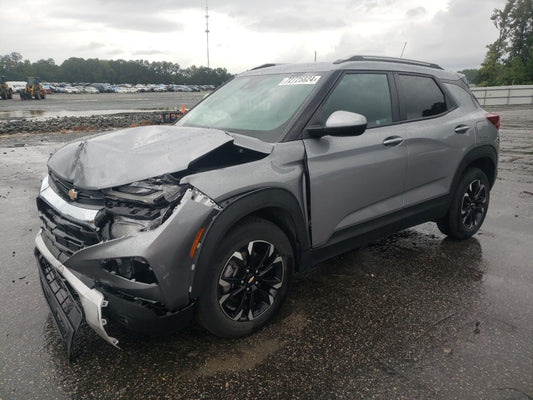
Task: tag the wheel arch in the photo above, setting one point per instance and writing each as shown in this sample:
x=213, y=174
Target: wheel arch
x=276, y=205
x=485, y=158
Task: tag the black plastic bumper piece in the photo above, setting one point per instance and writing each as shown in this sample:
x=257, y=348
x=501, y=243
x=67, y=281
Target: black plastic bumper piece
x=141, y=319
x=67, y=314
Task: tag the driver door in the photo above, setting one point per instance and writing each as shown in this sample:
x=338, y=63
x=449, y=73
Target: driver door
x=354, y=179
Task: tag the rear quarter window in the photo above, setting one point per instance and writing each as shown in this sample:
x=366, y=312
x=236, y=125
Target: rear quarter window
x=464, y=98
x=420, y=97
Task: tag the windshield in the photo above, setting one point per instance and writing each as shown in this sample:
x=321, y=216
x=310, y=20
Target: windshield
x=258, y=106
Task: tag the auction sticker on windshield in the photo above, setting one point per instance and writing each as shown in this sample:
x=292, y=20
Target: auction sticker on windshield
x=300, y=80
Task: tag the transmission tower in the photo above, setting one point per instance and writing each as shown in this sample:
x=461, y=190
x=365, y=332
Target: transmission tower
x=207, y=30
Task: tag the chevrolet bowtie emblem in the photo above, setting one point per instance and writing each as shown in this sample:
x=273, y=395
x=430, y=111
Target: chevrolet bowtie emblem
x=73, y=194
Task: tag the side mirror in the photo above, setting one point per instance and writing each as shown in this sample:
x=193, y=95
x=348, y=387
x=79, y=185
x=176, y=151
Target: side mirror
x=341, y=123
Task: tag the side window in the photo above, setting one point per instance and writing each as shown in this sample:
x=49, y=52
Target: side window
x=465, y=98
x=420, y=97
x=365, y=94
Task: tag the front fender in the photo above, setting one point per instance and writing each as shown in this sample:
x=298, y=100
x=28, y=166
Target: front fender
x=239, y=207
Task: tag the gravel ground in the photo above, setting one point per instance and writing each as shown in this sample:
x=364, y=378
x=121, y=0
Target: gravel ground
x=93, y=123
x=413, y=316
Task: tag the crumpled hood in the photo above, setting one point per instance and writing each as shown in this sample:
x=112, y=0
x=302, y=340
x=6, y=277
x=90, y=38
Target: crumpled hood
x=130, y=155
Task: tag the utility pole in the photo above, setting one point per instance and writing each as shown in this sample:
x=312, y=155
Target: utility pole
x=207, y=30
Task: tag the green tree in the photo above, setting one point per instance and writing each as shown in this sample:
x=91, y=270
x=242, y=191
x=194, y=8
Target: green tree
x=75, y=69
x=492, y=70
x=509, y=59
x=47, y=70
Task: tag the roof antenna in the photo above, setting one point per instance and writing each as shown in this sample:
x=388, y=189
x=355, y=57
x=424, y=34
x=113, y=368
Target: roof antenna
x=405, y=44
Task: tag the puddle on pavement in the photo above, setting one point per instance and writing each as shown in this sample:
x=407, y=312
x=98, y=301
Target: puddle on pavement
x=41, y=115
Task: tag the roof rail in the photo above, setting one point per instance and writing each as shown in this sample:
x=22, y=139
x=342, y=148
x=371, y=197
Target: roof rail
x=388, y=59
x=265, y=66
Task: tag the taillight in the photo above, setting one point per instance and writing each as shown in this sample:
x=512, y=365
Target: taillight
x=494, y=119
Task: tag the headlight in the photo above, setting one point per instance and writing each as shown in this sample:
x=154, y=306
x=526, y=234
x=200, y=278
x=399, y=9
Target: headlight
x=152, y=192
x=139, y=206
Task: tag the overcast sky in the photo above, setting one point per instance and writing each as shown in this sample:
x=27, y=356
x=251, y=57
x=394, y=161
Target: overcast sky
x=248, y=33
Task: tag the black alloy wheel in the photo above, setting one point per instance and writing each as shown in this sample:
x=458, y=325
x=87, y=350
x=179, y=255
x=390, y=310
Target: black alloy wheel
x=250, y=281
x=247, y=278
x=468, y=207
x=474, y=205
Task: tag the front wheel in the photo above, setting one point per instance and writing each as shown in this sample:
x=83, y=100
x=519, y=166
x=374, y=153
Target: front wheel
x=248, y=279
x=468, y=207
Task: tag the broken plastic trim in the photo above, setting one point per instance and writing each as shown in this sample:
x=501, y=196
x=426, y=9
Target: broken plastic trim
x=140, y=206
x=135, y=269
x=154, y=191
x=92, y=301
x=121, y=219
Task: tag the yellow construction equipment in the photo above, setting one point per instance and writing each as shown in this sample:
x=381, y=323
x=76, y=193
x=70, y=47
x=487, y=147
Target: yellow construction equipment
x=5, y=91
x=33, y=89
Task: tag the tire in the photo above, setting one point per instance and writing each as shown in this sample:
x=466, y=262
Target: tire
x=247, y=280
x=43, y=96
x=469, y=206
x=37, y=95
x=10, y=95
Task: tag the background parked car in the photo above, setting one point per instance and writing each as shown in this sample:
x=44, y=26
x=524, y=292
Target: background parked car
x=90, y=89
x=72, y=90
x=16, y=85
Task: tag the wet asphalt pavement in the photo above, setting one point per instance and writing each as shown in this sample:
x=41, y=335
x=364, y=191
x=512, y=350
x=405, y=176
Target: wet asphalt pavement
x=414, y=316
x=60, y=105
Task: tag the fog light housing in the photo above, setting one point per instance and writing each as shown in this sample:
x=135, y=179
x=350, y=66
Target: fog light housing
x=135, y=269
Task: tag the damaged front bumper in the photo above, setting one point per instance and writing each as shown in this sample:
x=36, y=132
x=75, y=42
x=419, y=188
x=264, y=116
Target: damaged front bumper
x=65, y=310
x=82, y=284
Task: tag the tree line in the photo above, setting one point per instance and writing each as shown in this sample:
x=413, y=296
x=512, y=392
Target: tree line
x=509, y=60
x=14, y=67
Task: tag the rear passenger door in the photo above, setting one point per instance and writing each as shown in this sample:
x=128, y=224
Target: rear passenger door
x=437, y=136
x=353, y=179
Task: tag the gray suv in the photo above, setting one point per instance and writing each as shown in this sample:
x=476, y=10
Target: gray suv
x=282, y=167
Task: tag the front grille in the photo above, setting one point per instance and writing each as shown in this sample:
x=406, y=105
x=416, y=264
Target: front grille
x=84, y=196
x=65, y=235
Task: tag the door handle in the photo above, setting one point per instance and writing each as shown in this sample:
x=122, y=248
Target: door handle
x=461, y=129
x=392, y=141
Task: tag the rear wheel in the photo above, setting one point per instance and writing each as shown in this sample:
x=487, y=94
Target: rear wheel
x=10, y=95
x=468, y=207
x=248, y=279
x=37, y=95
x=3, y=94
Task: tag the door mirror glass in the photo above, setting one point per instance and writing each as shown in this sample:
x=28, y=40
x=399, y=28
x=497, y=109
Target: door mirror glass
x=341, y=123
